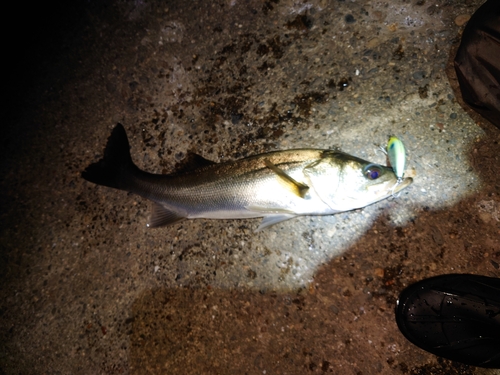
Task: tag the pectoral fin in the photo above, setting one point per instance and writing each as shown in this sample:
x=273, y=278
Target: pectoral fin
x=161, y=216
x=298, y=188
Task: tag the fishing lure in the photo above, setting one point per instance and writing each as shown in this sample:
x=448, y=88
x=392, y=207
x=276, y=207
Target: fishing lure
x=397, y=156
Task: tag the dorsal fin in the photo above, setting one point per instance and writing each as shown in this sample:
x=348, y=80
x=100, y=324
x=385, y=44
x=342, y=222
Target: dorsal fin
x=192, y=162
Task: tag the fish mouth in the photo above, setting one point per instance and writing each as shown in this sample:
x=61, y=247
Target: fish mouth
x=403, y=184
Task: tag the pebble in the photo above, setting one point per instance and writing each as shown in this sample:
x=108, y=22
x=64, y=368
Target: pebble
x=419, y=75
x=373, y=42
x=379, y=272
x=485, y=217
x=462, y=19
x=350, y=18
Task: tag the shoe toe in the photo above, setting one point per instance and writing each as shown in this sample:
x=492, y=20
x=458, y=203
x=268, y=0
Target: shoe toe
x=455, y=317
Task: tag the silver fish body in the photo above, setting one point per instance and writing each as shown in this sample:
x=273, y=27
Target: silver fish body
x=265, y=185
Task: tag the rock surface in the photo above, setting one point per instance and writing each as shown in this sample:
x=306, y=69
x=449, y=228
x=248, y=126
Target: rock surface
x=86, y=288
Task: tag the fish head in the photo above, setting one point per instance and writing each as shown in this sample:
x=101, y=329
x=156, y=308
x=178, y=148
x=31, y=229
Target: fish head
x=345, y=182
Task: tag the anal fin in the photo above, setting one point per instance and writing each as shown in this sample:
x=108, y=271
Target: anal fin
x=267, y=221
x=161, y=216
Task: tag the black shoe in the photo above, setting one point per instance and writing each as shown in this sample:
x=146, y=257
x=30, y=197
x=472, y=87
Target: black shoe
x=454, y=316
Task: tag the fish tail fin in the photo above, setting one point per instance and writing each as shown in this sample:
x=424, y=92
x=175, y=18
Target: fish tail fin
x=116, y=168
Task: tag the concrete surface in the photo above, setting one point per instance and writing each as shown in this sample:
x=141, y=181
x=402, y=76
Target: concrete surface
x=88, y=289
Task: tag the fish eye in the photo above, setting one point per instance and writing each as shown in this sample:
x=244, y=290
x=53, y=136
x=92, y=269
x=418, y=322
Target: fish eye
x=372, y=171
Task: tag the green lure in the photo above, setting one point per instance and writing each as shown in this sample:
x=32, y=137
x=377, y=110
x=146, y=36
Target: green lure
x=397, y=156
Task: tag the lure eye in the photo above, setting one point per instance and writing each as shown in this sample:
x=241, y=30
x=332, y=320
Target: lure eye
x=372, y=171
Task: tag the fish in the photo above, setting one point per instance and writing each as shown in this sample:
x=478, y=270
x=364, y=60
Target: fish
x=397, y=156
x=275, y=186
